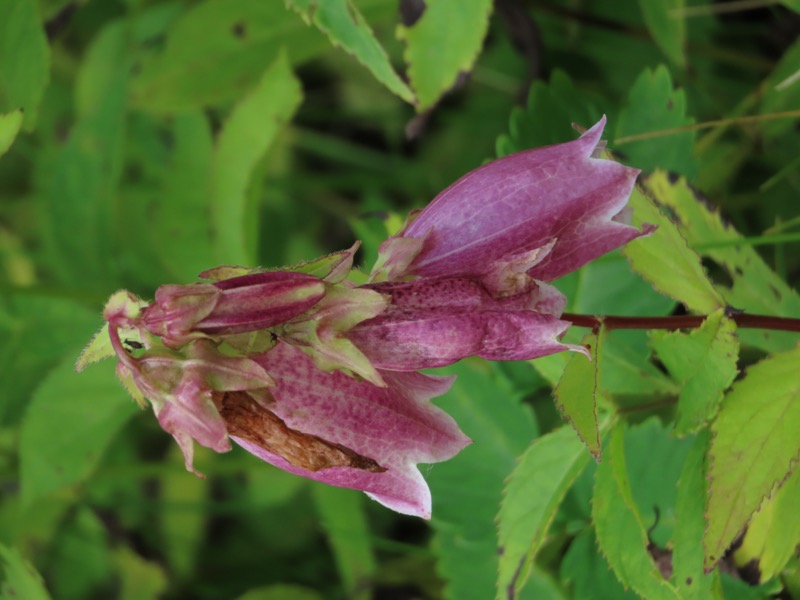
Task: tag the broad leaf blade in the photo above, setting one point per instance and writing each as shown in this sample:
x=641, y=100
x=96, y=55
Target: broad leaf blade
x=577, y=391
x=443, y=43
x=25, y=59
x=654, y=105
x=756, y=288
x=754, y=449
x=10, y=124
x=531, y=498
x=665, y=259
x=20, y=579
x=69, y=423
x=467, y=489
x=346, y=28
x=704, y=362
x=620, y=532
x=245, y=137
x=687, y=555
x=773, y=534
x=667, y=28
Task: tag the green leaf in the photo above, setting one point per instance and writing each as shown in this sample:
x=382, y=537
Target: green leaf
x=442, y=44
x=80, y=196
x=182, y=530
x=667, y=28
x=792, y=4
x=69, y=423
x=653, y=105
x=664, y=258
x=586, y=571
x=756, y=288
x=25, y=57
x=534, y=491
x=754, y=449
x=218, y=50
x=704, y=363
x=563, y=104
x=182, y=219
x=10, y=124
x=773, y=534
x=620, y=532
x=342, y=516
x=577, y=393
x=141, y=579
x=242, y=143
x=467, y=489
x=346, y=28
x=35, y=334
x=20, y=579
x=687, y=555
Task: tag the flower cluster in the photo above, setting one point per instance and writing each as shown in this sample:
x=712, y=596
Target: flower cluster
x=319, y=377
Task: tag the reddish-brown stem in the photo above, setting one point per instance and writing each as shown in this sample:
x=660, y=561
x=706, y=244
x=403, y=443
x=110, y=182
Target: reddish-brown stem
x=743, y=320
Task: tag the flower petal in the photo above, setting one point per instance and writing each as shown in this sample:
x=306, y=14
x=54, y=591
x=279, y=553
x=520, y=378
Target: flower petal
x=557, y=195
x=394, y=426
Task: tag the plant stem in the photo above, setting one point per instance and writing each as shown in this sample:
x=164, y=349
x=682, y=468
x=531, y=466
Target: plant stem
x=742, y=320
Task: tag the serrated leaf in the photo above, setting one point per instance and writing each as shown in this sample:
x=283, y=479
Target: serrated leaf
x=531, y=498
x=20, y=579
x=756, y=288
x=25, y=57
x=10, y=124
x=342, y=516
x=69, y=423
x=754, y=449
x=346, y=28
x=577, y=392
x=242, y=143
x=620, y=532
x=654, y=105
x=563, y=104
x=665, y=260
x=667, y=27
x=773, y=534
x=687, y=555
x=443, y=43
x=467, y=489
x=704, y=362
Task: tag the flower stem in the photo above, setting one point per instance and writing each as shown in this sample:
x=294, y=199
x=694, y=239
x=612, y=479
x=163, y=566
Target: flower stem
x=742, y=320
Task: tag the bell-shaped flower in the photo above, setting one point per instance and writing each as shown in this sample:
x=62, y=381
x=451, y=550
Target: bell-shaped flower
x=560, y=206
x=345, y=432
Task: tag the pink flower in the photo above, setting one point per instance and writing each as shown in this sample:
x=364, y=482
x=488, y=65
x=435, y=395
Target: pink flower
x=317, y=376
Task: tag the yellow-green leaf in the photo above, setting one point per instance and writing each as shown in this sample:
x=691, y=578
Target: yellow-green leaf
x=242, y=143
x=755, y=446
x=577, y=392
x=443, y=43
x=704, y=363
x=20, y=579
x=664, y=258
x=10, y=124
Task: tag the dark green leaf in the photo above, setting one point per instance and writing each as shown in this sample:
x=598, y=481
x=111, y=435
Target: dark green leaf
x=667, y=26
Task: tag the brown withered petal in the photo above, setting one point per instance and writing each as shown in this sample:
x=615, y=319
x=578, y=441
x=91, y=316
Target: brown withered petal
x=247, y=419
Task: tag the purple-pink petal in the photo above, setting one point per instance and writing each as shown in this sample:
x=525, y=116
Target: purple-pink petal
x=395, y=426
x=556, y=194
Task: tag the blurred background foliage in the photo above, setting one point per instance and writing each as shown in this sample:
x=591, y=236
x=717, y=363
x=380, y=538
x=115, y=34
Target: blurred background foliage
x=161, y=138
